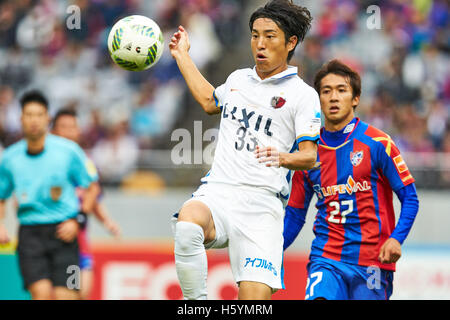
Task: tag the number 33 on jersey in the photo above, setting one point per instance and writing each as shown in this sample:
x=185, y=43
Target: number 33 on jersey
x=279, y=111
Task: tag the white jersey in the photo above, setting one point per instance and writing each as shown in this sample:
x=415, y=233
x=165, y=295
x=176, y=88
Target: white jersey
x=279, y=111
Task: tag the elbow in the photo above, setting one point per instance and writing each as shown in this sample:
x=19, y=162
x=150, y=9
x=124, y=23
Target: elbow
x=307, y=155
x=94, y=189
x=210, y=107
x=210, y=112
x=310, y=161
x=97, y=189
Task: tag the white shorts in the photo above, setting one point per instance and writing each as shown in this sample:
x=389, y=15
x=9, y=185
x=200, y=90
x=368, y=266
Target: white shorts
x=249, y=221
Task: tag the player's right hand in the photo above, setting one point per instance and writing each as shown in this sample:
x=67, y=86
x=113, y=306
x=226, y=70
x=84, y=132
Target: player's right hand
x=4, y=238
x=268, y=155
x=67, y=230
x=179, y=43
x=390, y=251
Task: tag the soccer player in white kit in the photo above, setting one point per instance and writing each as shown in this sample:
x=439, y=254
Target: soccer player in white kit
x=270, y=121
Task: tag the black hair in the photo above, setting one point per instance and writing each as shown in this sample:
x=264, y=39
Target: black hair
x=338, y=68
x=294, y=20
x=33, y=96
x=63, y=112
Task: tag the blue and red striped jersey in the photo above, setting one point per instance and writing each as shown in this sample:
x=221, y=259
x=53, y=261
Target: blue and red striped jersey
x=354, y=185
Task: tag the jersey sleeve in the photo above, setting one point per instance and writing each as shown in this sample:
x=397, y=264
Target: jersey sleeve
x=392, y=164
x=219, y=95
x=410, y=206
x=301, y=192
x=221, y=91
x=82, y=170
x=6, y=181
x=307, y=117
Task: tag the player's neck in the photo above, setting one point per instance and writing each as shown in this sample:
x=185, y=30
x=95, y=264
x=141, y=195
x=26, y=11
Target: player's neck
x=338, y=126
x=36, y=145
x=264, y=75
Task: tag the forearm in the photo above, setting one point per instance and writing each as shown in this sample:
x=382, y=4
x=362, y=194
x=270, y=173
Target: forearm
x=90, y=197
x=200, y=88
x=304, y=159
x=100, y=212
x=410, y=207
x=301, y=160
x=294, y=220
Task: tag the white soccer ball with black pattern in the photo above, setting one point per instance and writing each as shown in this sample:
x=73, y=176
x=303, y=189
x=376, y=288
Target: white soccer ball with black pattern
x=135, y=43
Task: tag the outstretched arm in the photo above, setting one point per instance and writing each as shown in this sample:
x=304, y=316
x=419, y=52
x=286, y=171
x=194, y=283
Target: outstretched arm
x=102, y=215
x=200, y=88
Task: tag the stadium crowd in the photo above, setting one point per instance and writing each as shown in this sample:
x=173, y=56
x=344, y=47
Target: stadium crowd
x=404, y=62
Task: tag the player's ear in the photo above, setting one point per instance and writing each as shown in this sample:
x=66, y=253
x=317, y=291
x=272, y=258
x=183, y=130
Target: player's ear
x=292, y=42
x=355, y=102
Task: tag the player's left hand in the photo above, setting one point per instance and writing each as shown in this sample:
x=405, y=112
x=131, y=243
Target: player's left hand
x=390, y=252
x=112, y=227
x=67, y=230
x=268, y=155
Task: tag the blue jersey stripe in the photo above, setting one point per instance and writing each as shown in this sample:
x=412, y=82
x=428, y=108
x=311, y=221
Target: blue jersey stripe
x=350, y=250
x=374, y=185
x=320, y=227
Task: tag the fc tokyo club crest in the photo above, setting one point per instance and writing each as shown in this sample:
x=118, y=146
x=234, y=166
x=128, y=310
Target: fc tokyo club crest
x=277, y=102
x=356, y=158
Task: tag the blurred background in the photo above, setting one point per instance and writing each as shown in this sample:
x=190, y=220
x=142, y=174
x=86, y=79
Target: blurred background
x=129, y=121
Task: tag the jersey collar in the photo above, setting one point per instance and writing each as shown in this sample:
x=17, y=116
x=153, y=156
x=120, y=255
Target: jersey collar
x=289, y=72
x=345, y=134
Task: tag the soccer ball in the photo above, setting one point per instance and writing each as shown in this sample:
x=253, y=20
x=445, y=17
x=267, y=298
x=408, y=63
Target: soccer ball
x=135, y=43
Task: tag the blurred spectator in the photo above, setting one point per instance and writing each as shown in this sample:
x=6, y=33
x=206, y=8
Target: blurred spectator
x=436, y=124
x=94, y=131
x=204, y=43
x=116, y=156
x=312, y=58
x=10, y=127
x=404, y=65
x=144, y=122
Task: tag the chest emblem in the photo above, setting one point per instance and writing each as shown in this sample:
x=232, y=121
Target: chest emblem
x=55, y=193
x=277, y=102
x=356, y=158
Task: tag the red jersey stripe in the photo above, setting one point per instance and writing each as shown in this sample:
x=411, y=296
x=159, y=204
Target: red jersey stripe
x=370, y=225
x=336, y=233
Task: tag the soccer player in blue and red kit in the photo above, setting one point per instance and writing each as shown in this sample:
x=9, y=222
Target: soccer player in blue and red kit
x=358, y=167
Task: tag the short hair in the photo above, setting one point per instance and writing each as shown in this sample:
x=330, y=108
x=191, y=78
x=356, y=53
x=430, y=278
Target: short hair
x=61, y=113
x=338, y=68
x=294, y=20
x=33, y=96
